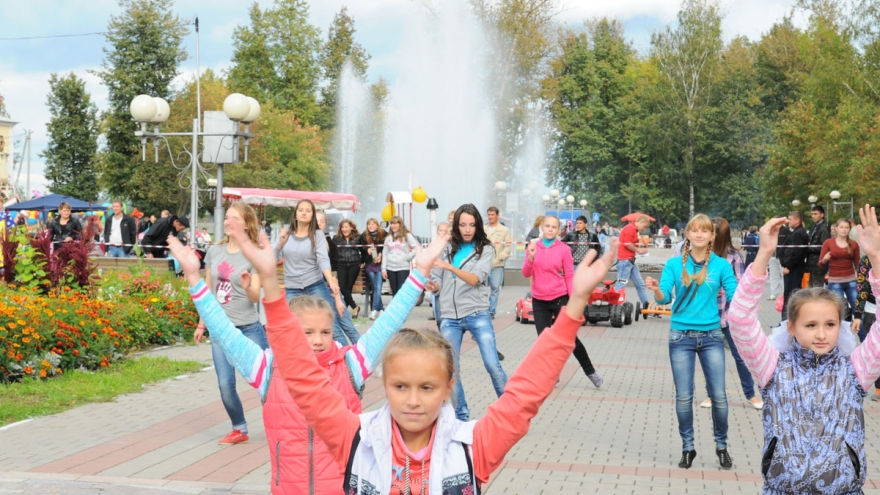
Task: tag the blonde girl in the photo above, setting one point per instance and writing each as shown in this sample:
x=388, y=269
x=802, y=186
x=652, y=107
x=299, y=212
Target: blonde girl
x=694, y=280
x=813, y=376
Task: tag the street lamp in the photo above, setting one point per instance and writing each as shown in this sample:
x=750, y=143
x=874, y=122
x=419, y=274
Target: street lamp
x=559, y=204
x=570, y=200
x=835, y=195
x=812, y=199
x=237, y=107
x=795, y=202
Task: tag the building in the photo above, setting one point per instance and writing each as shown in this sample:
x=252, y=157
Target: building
x=6, y=156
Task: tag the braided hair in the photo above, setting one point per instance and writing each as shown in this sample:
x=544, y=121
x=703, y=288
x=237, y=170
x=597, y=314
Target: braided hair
x=702, y=222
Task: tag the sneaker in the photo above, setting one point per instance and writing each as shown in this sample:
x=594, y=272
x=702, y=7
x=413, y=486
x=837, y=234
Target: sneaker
x=431, y=318
x=374, y=314
x=724, y=458
x=759, y=404
x=772, y=298
x=355, y=312
x=492, y=316
x=876, y=396
x=500, y=356
x=687, y=459
x=236, y=436
x=706, y=403
x=597, y=379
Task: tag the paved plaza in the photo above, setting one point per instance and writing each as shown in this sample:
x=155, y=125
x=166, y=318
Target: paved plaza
x=621, y=439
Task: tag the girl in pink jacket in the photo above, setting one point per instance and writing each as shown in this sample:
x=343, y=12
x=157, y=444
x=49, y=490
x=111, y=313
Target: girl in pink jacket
x=549, y=263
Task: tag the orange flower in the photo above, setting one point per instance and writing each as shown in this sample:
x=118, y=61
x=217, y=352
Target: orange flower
x=76, y=352
x=28, y=370
x=11, y=325
x=26, y=340
x=43, y=373
x=58, y=370
x=46, y=364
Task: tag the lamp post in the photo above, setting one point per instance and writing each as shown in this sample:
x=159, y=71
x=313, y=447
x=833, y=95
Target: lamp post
x=560, y=204
x=835, y=195
x=795, y=202
x=583, y=204
x=570, y=200
x=237, y=107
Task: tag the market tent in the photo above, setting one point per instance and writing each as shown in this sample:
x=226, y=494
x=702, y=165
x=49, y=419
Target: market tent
x=632, y=217
x=289, y=199
x=51, y=202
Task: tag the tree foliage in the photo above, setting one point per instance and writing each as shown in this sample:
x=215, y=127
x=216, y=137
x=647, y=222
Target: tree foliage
x=340, y=48
x=73, y=139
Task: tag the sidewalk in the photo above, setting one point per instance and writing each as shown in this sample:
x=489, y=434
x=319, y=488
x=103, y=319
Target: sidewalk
x=621, y=439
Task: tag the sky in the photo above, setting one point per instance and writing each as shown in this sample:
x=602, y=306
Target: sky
x=25, y=65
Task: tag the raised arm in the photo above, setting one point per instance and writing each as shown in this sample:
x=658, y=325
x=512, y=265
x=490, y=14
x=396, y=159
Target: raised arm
x=745, y=329
x=866, y=357
x=507, y=419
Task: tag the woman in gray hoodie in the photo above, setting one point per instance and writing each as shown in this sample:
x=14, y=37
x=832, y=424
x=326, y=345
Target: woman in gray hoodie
x=400, y=249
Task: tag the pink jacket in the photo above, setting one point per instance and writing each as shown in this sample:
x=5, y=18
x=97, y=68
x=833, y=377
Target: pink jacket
x=300, y=459
x=552, y=271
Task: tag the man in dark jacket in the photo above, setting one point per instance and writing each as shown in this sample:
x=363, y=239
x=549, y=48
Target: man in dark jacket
x=793, y=259
x=120, y=232
x=818, y=236
x=157, y=237
x=580, y=240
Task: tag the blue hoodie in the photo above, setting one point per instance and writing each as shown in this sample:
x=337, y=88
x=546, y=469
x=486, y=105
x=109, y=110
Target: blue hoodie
x=696, y=306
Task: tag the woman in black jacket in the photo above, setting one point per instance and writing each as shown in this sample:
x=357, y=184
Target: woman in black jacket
x=350, y=262
x=64, y=228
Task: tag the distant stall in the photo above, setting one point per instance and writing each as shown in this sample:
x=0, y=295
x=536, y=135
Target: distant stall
x=289, y=198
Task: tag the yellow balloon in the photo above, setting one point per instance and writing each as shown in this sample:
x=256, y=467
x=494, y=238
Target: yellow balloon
x=419, y=195
x=388, y=212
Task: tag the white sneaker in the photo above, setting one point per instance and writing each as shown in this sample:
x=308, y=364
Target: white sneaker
x=756, y=403
x=374, y=314
x=706, y=403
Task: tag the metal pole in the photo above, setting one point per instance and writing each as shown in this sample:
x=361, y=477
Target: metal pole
x=194, y=192
x=198, y=73
x=219, y=214
x=27, y=192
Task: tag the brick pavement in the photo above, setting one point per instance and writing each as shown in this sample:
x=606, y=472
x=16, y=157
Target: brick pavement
x=620, y=439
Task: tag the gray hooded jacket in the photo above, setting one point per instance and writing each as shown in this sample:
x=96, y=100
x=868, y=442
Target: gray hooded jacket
x=458, y=298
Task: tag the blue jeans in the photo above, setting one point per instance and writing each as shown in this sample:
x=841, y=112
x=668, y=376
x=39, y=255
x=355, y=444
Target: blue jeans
x=479, y=324
x=846, y=290
x=496, y=280
x=117, y=252
x=376, y=282
x=629, y=270
x=435, y=306
x=226, y=374
x=745, y=376
x=342, y=326
x=684, y=347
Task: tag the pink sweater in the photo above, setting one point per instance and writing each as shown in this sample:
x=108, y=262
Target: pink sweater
x=552, y=269
x=759, y=354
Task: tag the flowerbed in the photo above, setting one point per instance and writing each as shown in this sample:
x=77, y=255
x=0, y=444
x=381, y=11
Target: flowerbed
x=44, y=334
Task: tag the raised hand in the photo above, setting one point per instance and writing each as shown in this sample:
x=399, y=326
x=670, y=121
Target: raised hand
x=769, y=234
x=530, y=250
x=424, y=259
x=245, y=280
x=869, y=233
x=263, y=260
x=187, y=259
x=588, y=275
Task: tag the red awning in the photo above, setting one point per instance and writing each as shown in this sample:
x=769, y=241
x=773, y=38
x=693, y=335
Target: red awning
x=289, y=199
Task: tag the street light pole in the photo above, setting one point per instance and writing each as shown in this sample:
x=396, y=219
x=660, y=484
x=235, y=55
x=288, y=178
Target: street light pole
x=835, y=195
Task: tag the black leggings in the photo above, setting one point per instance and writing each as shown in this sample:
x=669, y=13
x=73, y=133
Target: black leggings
x=347, y=274
x=396, y=279
x=545, y=313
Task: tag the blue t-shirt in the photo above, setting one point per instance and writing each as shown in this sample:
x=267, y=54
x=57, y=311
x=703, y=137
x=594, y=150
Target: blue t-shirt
x=464, y=250
x=696, y=306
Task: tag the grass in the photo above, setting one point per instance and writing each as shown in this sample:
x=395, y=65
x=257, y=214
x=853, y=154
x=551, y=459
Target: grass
x=31, y=398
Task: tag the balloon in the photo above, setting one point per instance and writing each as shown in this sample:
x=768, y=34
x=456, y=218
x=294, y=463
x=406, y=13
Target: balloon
x=419, y=195
x=388, y=212
x=32, y=221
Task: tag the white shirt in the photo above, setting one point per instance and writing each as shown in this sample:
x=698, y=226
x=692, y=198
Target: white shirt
x=116, y=230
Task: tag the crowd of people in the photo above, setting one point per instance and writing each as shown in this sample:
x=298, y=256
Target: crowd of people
x=321, y=442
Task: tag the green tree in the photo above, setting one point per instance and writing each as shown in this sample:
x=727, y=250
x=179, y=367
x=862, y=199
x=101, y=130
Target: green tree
x=73, y=139
x=142, y=57
x=276, y=58
x=339, y=49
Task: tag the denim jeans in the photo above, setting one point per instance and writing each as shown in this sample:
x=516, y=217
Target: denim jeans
x=496, y=280
x=629, y=270
x=342, y=326
x=479, y=324
x=226, y=374
x=684, y=347
x=846, y=290
x=376, y=282
x=116, y=252
x=745, y=376
x=435, y=306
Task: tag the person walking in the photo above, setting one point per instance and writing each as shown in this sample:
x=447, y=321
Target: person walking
x=155, y=241
x=374, y=240
x=120, y=232
x=499, y=236
x=350, y=262
x=793, y=258
x=549, y=264
x=818, y=235
x=750, y=245
x=694, y=279
x=461, y=277
x=723, y=248
x=400, y=249
x=535, y=232
x=627, y=249
x=840, y=255
x=225, y=268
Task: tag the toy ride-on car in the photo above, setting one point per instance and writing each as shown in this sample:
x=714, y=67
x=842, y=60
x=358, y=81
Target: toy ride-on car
x=609, y=304
x=524, y=309
x=653, y=309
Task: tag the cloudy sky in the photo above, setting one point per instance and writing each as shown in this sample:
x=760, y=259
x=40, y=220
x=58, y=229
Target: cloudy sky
x=25, y=65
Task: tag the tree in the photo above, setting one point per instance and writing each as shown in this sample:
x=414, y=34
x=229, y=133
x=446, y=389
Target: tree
x=276, y=58
x=339, y=49
x=688, y=58
x=3, y=108
x=73, y=139
x=142, y=57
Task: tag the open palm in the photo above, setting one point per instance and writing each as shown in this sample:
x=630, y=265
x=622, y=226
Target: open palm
x=590, y=273
x=185, y=256
x=869, y=232
x=425, y=258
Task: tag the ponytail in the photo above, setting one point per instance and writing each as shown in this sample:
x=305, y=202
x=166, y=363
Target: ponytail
x=700, y=277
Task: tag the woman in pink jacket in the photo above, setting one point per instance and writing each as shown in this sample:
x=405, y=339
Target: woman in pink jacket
x=549, y=263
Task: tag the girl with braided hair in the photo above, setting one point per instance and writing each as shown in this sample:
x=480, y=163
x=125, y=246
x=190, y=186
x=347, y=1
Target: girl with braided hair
x=694, y=280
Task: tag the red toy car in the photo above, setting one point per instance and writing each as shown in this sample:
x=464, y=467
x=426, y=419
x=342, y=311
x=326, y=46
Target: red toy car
x=608, y=304
x=524, y=309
